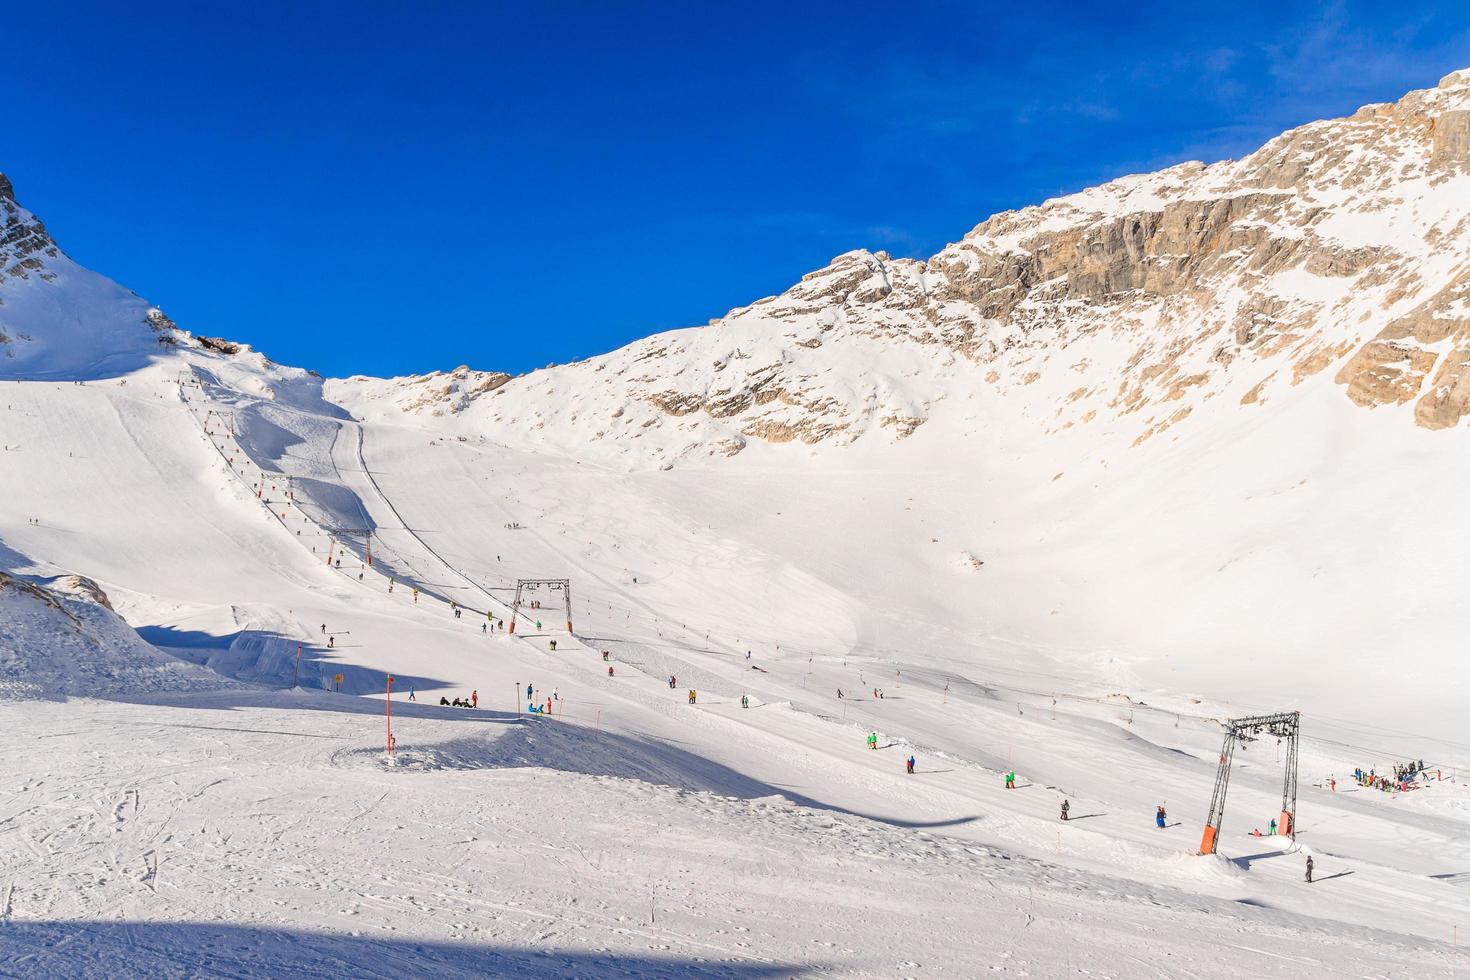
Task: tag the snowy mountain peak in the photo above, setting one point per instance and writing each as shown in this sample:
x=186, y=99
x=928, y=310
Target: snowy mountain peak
x=24, y=243
x=1334, y=254
x=59, y=320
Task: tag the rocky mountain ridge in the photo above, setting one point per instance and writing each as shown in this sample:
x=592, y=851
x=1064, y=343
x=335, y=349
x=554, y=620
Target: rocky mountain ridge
x=1338, y=253
x=24, y=242
x=60, y=320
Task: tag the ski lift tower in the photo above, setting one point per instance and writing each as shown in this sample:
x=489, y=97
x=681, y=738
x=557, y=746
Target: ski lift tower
x=345, y=532
x=562, y=585
x=1285, y=724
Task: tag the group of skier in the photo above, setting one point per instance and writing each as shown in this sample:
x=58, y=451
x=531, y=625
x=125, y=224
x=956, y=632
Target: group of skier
x=1404, y=777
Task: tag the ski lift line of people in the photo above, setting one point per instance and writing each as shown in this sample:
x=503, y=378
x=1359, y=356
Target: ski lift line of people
x=270, y=509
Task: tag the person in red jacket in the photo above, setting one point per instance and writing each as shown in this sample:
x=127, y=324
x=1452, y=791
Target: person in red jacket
x=474, y=699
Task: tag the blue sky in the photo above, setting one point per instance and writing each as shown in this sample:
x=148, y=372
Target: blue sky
x=393, y=188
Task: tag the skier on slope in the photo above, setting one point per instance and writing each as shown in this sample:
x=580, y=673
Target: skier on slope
x=530, y=692
x=872, y=740
x=744, y=701
x=1066, y=808
x=910, y=764
x=1309, y=869
x=331, y=642
x=609, y=670
x=553, y=646
x=474, y=699
x=1160, y=817
x=1011, y=779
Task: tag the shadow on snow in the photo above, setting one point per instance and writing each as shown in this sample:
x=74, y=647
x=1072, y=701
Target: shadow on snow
x=178, y=949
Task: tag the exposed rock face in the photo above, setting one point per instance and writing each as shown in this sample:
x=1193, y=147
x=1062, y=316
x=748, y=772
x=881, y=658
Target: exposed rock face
x=83, y=587
x=24, y=243
x=58, y=320
x=439, y=393
x=1339, y=251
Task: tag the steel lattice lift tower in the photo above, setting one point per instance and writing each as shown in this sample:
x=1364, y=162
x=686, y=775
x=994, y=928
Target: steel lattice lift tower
x=1285, y=724
x=563, y=585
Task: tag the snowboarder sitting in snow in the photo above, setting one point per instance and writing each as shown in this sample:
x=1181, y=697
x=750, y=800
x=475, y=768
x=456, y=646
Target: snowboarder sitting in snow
x=444, y=701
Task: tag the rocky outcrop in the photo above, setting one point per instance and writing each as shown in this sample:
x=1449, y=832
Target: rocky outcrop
x=24, y=243
x=439, y=393
x=1336, y=253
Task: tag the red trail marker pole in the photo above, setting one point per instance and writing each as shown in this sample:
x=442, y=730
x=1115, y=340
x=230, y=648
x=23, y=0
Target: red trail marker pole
x=389, y=709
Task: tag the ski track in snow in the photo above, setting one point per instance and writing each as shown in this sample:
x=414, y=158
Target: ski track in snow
x=205, y=825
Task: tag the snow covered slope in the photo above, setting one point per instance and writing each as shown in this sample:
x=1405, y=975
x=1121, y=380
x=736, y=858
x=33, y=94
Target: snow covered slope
x=1334, y=255
x=961, y=492
x=61, y=639
x=1160, y=433
x=60, y=320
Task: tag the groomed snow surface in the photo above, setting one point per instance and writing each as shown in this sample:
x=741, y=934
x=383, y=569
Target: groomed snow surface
x=204, y=796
